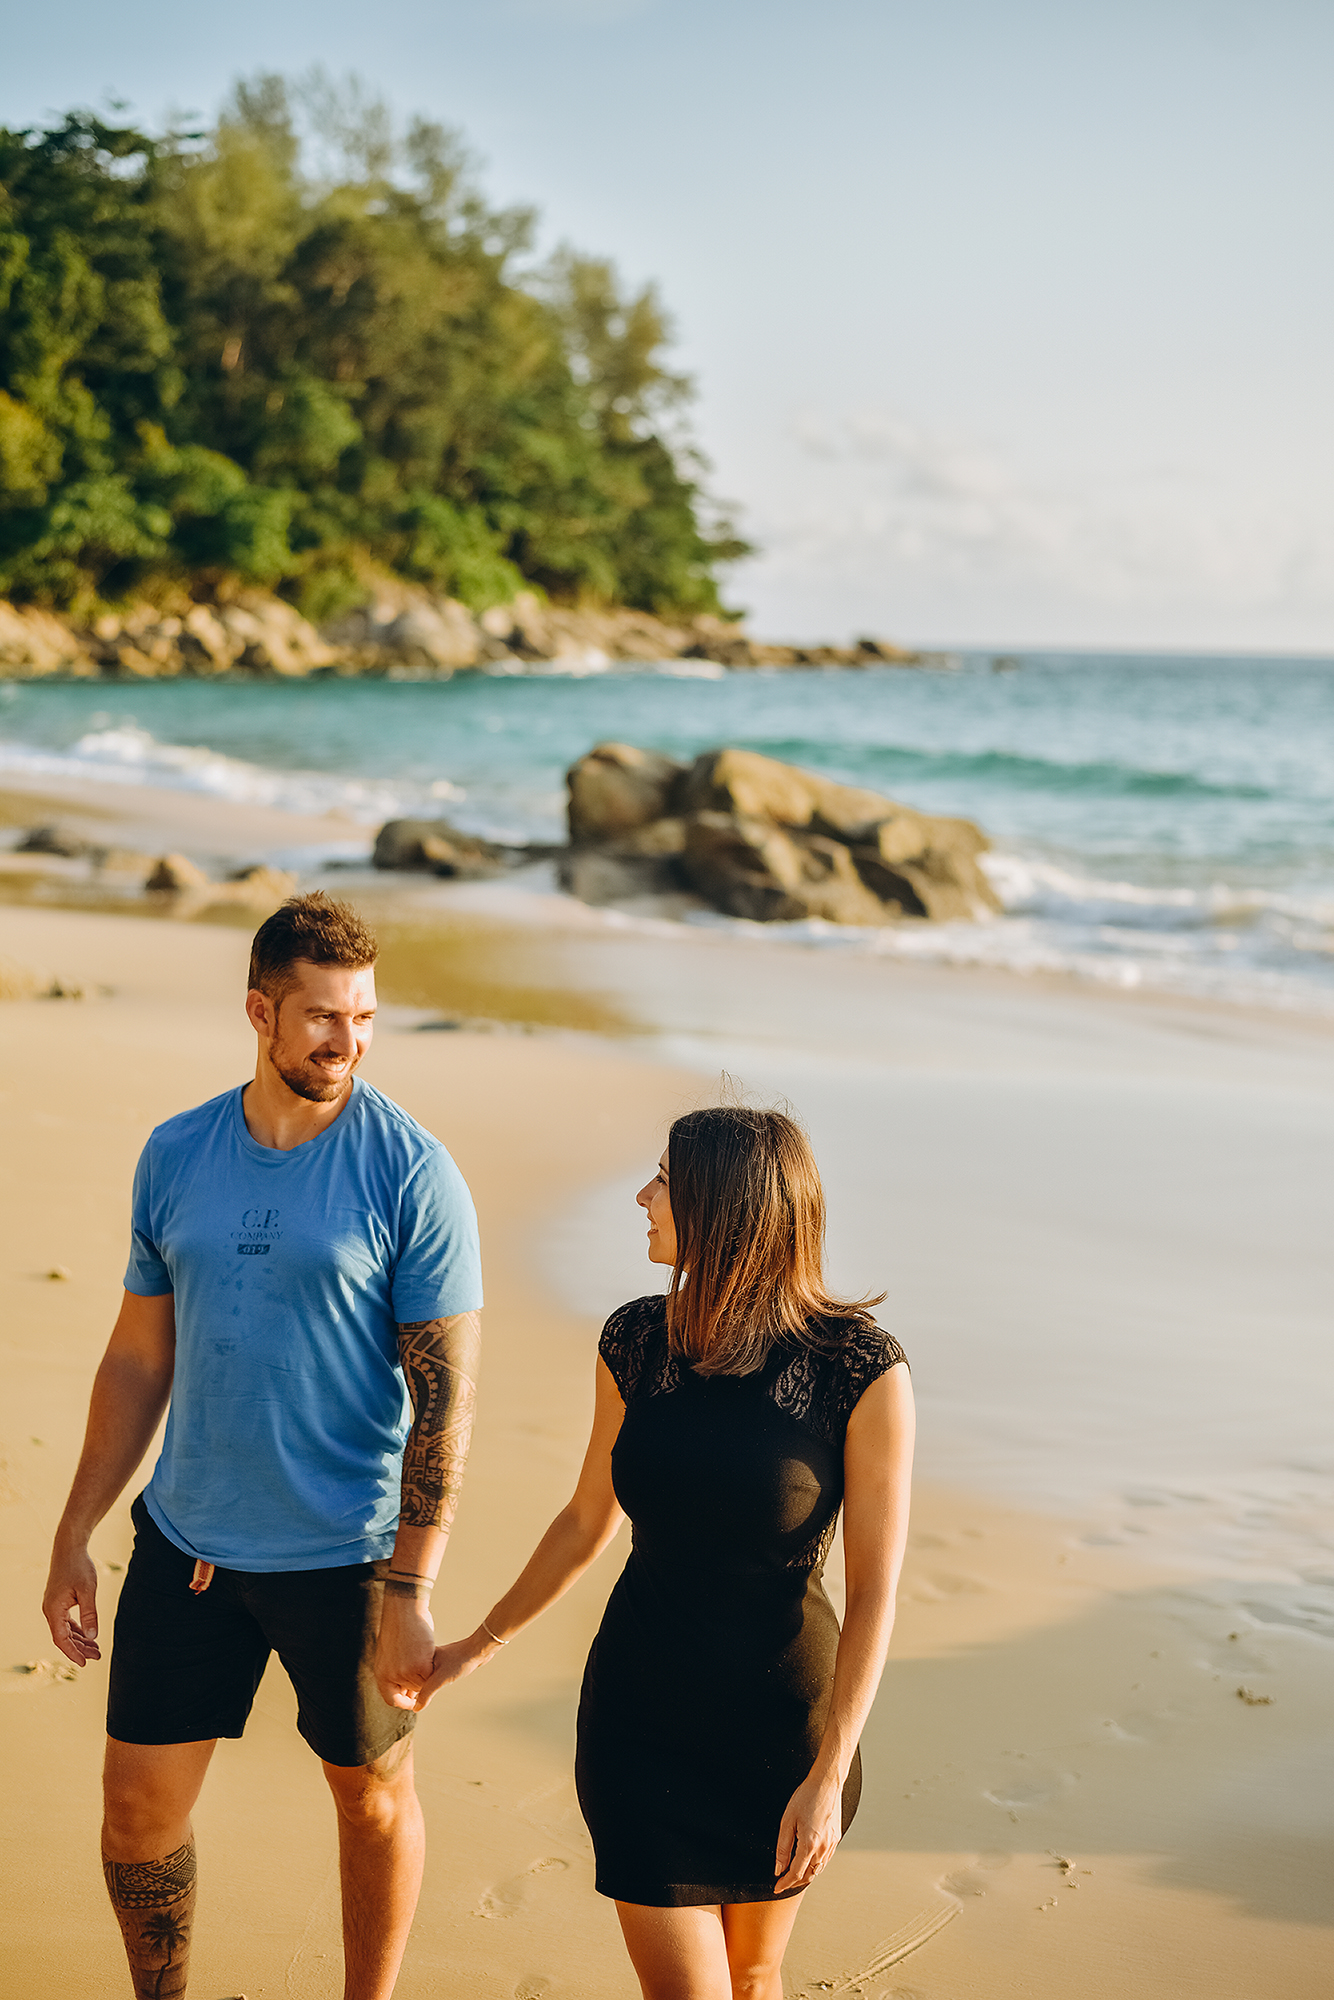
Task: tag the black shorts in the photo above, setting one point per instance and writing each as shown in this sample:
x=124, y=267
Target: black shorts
x=185, y=1668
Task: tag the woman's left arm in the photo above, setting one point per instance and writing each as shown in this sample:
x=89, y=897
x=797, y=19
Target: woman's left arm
x=877, y=1459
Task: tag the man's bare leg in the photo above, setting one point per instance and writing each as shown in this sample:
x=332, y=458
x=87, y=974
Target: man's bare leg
x=381, y=1851
x=148, y=1856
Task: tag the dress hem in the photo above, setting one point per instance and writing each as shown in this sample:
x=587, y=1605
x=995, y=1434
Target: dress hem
x=691, y=1895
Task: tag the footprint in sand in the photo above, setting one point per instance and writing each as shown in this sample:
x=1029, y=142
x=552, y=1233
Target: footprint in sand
x=41, y=1673
x=508, y=1898
x=533, y=1989
x=977, y=1879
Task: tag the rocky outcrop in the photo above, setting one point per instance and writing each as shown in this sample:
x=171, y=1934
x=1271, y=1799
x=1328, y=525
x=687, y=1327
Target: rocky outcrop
x=170, y=882
x=402, y=627
x=269, y=636
x=400, y=630
x=254, y=633
x=60, y=841
x=435, y=847
x=616, y=789
x=176, y=875
x=765, y=840
x=34, y=644
x=752, y=868
x=190, y=889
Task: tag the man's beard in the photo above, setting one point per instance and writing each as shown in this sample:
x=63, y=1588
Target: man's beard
x=306, y=1080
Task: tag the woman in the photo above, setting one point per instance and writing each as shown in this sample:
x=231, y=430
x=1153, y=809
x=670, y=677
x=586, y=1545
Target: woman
x=717, y=1764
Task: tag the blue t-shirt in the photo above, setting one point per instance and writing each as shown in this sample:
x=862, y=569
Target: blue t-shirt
x=291, y=1272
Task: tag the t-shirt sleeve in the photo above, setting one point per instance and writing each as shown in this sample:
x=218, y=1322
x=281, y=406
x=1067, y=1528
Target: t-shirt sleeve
x=438, y=1270
x=146, y=1274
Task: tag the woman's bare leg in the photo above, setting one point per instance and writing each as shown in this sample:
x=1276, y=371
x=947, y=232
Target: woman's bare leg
x=709, y=1952
x=678, y=1954
x=756, y=1935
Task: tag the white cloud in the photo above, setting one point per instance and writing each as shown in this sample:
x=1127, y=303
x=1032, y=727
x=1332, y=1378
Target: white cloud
x=888, y=505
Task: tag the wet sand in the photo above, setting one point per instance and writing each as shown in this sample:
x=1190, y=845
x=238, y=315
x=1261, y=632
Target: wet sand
x=1059, y=1692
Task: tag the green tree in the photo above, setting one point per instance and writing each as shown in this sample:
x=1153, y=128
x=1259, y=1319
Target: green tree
x=298, y=347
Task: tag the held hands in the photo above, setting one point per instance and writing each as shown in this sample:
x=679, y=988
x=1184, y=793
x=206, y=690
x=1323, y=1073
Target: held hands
x=456, y=1660
x=71, y=1588
x=812, y=1828
x=409, y=1666
x=405, y=1649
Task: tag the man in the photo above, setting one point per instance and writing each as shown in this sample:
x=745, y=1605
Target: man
x=301, y=1249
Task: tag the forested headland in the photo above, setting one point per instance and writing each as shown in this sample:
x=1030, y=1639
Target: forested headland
x=299, y=350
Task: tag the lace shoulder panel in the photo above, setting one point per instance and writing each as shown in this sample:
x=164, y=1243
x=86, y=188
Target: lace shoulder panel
x=634, y=1346
x=821, y=1387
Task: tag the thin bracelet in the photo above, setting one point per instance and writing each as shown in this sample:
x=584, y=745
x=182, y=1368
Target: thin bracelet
x=496, y=1641
x=411, y=1576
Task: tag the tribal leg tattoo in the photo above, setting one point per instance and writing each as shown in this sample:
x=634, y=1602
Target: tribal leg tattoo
x=439, y=1358
x=154, y=1903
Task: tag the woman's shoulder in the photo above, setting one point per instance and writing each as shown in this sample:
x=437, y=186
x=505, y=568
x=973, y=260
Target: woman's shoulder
x=631, y=1335
x=823, y=1380
x=636, y=1316
x=866, y=1352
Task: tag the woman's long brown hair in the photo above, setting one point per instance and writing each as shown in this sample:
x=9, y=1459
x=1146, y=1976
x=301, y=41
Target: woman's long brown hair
x=750, y=1219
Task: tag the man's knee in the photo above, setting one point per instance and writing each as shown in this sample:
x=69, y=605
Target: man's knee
x=148, y=1790
x=374, y=1794
x=158, y=1779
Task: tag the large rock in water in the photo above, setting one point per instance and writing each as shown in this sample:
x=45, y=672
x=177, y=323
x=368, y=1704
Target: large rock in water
x=752, y=868
x=615, y=789
x=768, y=841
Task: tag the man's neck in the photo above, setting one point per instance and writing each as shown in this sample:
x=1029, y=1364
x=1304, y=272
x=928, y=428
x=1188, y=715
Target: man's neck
x=276, y=1117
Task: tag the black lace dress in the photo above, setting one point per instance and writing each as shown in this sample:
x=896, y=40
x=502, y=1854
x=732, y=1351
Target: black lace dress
x=708, y=1686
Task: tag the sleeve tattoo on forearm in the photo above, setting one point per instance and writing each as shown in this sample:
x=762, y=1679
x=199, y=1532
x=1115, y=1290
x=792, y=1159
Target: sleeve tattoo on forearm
x=439, y=1358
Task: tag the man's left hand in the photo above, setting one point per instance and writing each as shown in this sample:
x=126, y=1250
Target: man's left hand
x=405, y=1650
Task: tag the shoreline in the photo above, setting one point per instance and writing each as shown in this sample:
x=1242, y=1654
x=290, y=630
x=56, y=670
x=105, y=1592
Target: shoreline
x=224, y=834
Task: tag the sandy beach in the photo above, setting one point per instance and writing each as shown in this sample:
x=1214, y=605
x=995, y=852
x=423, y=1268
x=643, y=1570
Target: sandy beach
x=1100, y=1761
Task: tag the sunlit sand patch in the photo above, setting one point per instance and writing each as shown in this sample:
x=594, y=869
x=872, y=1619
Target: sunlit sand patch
x=554, y=1811
x=478, y=971
x=23, y=808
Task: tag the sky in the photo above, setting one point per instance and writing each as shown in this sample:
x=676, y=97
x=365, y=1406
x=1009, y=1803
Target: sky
x=1010, y=320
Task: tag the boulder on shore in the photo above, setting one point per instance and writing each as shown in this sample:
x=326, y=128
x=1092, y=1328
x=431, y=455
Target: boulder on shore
x=259, y=889
x=765, y=840
x=433, y=845
x=176, y=875
x=616, y=789
x=56, y=840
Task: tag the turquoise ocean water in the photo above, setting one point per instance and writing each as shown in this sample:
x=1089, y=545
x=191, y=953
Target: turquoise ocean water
x=1157, y=821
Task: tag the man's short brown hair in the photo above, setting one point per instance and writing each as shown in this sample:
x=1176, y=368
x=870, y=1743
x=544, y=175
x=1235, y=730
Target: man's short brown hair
x=314, y=928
